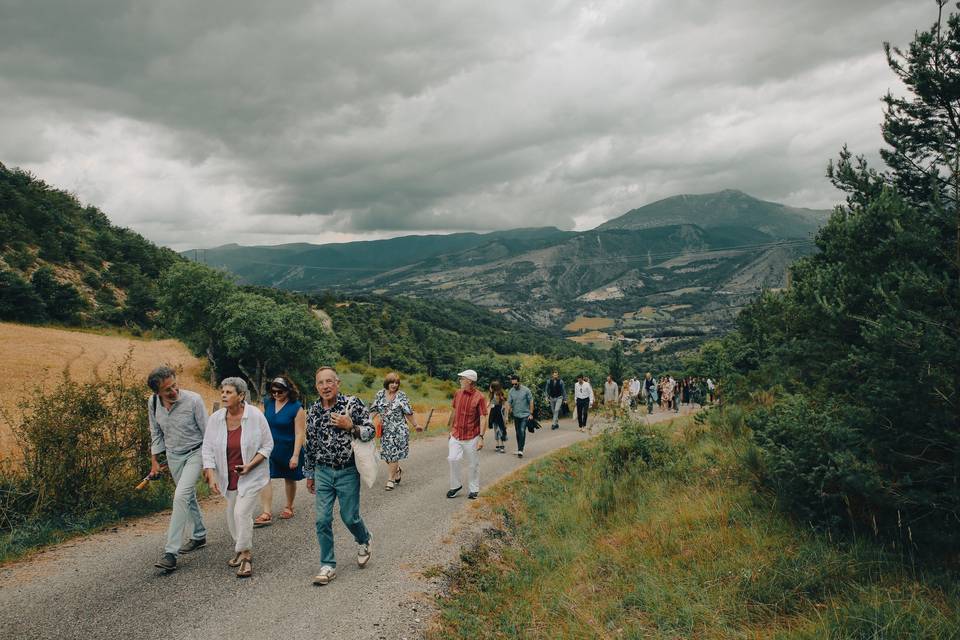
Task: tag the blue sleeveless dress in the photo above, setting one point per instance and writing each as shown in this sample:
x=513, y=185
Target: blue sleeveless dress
x=282, y=429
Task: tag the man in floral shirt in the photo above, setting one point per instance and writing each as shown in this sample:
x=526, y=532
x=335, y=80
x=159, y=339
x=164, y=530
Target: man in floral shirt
x=332, y=423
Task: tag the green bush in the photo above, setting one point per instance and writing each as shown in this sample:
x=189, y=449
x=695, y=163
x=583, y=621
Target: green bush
x=85, y=447
x=819, y=464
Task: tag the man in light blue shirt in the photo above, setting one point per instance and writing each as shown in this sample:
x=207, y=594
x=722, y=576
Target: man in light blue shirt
x=178, y=419
x=520, y=406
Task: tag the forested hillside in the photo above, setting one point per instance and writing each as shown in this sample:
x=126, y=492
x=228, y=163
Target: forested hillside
x=860, y=429
x=63, y=261
x=417, y=335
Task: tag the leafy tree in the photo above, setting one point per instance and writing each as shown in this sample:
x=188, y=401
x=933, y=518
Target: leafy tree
x=18, y=299
x=870, y=330
x=615, y=362
x=61, y=300
x=191, y=296
x=265, y=338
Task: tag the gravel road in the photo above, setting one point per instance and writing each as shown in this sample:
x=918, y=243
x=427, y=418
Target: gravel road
x=105, y=585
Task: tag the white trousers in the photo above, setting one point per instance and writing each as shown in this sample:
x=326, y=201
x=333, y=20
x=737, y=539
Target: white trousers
x=464, y=449
x=240, y=518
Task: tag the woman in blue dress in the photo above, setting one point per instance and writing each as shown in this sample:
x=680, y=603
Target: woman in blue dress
x=395, y=412
x=287, y=421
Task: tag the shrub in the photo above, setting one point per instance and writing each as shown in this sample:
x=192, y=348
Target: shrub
x=85, y=446
x=818, y=463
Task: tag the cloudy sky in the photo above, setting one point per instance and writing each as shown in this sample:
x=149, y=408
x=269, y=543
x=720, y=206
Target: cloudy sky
x=203, y=123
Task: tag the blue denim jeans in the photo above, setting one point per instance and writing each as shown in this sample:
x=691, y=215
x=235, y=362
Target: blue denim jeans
x=520, y=424
x=342, y=485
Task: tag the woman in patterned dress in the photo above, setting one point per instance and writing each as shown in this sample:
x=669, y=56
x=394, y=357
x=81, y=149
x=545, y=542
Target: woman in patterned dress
x=393, y=407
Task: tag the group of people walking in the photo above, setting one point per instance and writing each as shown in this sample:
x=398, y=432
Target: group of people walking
x=240, y=448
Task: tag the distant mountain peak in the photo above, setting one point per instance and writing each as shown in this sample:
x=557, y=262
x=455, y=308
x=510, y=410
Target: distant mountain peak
x=729, y=207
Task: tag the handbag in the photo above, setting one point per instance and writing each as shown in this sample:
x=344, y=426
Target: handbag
x=378, y=425
x=365, y=457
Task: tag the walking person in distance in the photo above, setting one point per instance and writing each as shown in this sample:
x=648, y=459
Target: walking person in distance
x=520, y=407
x=650, y=390
x=393, y=407
x=583, y=396
x=611, y=391
x=467, y=424
x=555, y=392
x=498, y=400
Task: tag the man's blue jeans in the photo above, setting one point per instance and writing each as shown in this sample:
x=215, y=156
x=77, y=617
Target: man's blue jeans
x=342, y=485
x=520, y=424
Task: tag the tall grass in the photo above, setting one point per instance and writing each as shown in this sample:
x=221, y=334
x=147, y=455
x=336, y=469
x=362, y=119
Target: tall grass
x=84, y=448
x=656, y=532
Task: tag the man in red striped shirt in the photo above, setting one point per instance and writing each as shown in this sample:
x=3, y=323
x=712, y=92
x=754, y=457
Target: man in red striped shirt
x=467, y=424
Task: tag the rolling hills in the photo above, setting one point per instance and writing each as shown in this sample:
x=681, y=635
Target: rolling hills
x=679, y=266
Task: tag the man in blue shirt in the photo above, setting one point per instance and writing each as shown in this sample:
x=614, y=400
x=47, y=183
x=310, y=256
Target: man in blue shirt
x=520, y=405
x=178, y=420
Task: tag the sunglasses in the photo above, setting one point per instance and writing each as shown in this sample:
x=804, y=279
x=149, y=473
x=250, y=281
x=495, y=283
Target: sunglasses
x=277, y=391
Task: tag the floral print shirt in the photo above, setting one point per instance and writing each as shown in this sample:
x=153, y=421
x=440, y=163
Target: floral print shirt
x=326, y=443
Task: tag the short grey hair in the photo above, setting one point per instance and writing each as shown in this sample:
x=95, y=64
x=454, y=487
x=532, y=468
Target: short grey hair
x=239, y=385
x=158, y=375
x=328, y=368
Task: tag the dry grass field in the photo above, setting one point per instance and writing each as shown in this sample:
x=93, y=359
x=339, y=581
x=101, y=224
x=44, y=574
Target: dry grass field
x=37, y=355
x=583, y=323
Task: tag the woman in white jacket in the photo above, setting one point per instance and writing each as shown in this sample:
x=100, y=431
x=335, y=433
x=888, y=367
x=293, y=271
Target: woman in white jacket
x=236, y=444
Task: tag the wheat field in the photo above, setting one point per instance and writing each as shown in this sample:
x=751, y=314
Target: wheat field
x=31, y=356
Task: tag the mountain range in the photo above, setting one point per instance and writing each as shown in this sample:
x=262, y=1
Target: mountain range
x=679, y=266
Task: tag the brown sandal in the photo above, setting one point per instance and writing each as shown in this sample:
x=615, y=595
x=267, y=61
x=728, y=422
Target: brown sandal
x=287, y=513
x=234, y=561
x=263, y=520
x=246, y=568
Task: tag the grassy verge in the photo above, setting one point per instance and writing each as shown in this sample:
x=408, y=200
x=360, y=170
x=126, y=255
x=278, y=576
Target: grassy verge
x=656, y=532
x=31, y=533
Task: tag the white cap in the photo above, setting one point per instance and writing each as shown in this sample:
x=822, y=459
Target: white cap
x=469, y=374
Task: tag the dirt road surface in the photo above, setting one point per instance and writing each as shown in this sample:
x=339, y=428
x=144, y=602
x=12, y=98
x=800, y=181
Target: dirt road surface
x=105, y=585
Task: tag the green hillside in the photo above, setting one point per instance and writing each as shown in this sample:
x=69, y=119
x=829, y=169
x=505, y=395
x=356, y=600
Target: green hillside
x=65, y=262
x=306, y=267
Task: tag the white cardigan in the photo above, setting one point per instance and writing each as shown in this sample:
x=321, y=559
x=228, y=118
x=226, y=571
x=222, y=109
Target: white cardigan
x=255, y=438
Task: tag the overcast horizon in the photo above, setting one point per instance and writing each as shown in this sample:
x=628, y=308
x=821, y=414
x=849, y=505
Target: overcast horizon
x=239, y=122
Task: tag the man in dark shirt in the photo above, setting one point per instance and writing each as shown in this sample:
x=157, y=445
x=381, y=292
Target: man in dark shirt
x=332, y=423
x=555, y=392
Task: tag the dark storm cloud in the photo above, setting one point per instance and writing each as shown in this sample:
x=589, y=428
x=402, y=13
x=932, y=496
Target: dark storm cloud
x=262, y=122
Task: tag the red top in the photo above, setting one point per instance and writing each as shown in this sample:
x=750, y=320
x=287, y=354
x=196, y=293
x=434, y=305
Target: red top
x=468, y=408
x=234, y=457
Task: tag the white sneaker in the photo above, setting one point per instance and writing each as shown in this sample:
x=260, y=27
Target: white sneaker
x=519, y=454
x=327, y=573
x=363, y=554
